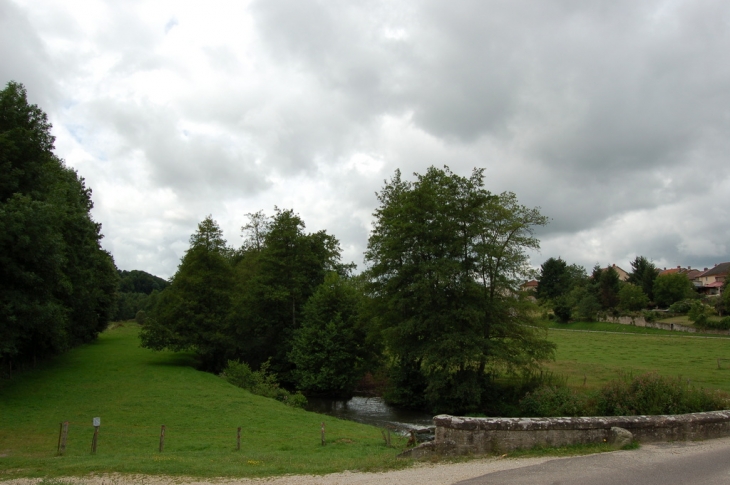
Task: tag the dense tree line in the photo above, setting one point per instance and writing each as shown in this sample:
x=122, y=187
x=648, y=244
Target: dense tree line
x=137, y=292
x=57, y=285
x=438, y=309
x=572, y=294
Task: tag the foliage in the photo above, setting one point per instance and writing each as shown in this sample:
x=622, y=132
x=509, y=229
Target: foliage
x=632, y=298
x=607, y=286
x=553, y=400
x=57, y=285
x=653, y=394
x=261, y=382
x=585, y=302
x=192, y=314
x=562, y=309
x=671, y=288
x=681, y=306
x=278, y=270
x=698, y=312
x=446, y=260
x=553, y=280
x=137, y=281
x=722, y=324
x=331, y=352
x=643, y=273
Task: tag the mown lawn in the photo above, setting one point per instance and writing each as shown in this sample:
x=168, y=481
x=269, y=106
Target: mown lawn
x=596, y=357
x=134, y=391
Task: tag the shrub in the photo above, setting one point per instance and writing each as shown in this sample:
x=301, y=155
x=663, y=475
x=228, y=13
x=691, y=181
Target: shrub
x=653, y=394
x=261, y=382
x=649, y=316
x=562, y=310
x=682, y=306
x=723, y=324
x=553, y=400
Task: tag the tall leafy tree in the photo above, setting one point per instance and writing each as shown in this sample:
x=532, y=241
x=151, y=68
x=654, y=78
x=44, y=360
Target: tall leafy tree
x=446, y=259
x=280, y=268
x=193, y=312
x=57, y=286
x=671, y=288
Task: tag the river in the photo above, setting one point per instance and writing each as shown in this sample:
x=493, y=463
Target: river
x=372, y=411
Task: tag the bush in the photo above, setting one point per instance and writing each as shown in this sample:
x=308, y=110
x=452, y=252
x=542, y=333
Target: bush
x=261, y=382
x=723, y=324
x=562, y=310
x=649, y=316
x=550, y=401
x=653, y=394
x=682, y=306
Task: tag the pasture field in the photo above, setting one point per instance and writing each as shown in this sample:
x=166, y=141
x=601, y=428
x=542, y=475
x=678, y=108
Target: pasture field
x=134, y=391
x=598, y=356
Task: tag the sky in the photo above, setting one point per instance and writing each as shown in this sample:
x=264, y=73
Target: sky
x=612, y=116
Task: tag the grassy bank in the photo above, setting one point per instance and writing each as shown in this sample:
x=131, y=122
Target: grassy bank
x=597, y=357
x=134, y=391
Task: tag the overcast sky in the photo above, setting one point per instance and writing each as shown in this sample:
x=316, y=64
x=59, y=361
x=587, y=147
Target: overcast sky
x=612, y=116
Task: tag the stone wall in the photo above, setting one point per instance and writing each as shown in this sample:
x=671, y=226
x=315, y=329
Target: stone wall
x=460, y=435
x=641, y=322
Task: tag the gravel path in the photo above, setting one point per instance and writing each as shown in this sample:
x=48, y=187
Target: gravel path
x=421, y=474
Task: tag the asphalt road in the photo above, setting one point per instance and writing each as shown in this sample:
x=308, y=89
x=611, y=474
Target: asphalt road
x=693, y=463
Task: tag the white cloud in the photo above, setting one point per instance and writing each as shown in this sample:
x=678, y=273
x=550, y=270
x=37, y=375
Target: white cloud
x=610, y=116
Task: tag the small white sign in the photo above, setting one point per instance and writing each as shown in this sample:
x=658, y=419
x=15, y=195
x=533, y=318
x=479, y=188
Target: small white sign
x=97, y=421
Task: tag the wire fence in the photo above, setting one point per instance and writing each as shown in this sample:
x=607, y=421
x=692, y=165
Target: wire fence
x=114, y=437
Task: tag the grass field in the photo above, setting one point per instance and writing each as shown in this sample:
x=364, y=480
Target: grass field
x=597, y=352
x=134, y=391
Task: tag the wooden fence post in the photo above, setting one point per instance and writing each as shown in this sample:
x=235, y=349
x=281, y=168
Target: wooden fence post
x=238, y=439
x=62, y=438
x=162, y=438
x=94, y=440
x=322, y=430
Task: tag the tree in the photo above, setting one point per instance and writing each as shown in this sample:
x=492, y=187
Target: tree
x=279, y=269
x=553, y=280
x=672, y=287
x=330, y=350
x=446, y=260
x=632, y=298
x=193, y=312
x=608, y=287
x=643, y=273
x=57, y=286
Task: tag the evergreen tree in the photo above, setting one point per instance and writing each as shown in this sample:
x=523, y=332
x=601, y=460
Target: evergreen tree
x=330, y=349
x=193, y=312
x=643, y=273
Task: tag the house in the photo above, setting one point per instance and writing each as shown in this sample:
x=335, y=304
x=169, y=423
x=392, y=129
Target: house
x=711, y=280
x=622, y=275
x=529, y=286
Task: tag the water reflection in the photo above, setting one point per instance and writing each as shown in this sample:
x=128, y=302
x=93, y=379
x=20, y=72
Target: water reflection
x=372, y=411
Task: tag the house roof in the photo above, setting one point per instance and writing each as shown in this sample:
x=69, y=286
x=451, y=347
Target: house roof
x=718, y=269
x=714, y=284
x=530, y=284
x=693, y=273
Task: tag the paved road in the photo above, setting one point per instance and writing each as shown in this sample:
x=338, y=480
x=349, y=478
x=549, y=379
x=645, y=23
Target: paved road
x=694, y=463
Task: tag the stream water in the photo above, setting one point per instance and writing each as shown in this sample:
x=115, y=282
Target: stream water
x=373, y=411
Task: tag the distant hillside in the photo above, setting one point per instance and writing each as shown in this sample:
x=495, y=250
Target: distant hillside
x=137, y=290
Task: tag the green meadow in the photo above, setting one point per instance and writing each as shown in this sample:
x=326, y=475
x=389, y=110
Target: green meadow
x=134, y=391
x=595, y=353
